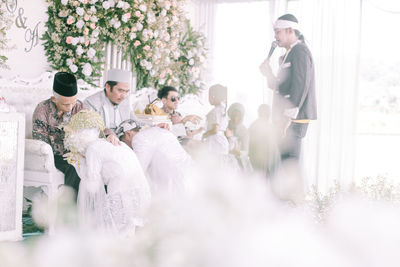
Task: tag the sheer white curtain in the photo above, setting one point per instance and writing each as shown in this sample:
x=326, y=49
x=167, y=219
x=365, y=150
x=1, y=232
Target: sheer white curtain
x=332, y=29
x=205, y=19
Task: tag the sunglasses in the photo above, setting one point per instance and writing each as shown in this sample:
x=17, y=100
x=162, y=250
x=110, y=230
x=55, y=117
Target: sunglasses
x=175, y=98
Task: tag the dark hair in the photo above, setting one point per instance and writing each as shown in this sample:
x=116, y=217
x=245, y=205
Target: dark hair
x=291, y=17
x=163, y=92
x=111, y=84
x=219, y=92
x=264, y=111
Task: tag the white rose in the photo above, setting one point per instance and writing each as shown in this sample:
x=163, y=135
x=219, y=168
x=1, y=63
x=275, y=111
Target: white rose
x=94, y=1
x=62, y=14
x=80, y=11
x=94, y=19
x=117, y=24
x=191, y=62
x=91, y=52
x=106, y=5
x=121, y=4
x=69, y=62
x=95, y=33
x=143, y=62
x=80, y=24
x=79, y=50
x=87, y=69
x=112, y=21
x=73, y=68
x=64, y=2
x=126, y=6
x=93, y=40
x=132, y=36
x=75, y=40
x=124, y=18
x=163, y=12
x=189, y=54
x=143, y=8
x=139, y=26
x=82, y=40
x=111, y=2
x=93, y=9
x=149, y=66
x=153, y=73
x=161, y=81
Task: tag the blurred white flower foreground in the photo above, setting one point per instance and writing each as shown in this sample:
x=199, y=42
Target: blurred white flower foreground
x=224, y=221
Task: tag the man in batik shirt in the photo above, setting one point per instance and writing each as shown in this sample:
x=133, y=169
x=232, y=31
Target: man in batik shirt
x=51, y=115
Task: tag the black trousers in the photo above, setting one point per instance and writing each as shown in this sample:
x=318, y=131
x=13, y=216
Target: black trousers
x=71, y=177
x=291, y=145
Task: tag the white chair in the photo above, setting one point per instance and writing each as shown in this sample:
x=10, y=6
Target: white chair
x=12, y=129
x=39, y=168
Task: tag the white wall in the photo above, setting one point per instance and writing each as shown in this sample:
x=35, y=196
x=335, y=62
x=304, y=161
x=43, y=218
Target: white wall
x=28, y=59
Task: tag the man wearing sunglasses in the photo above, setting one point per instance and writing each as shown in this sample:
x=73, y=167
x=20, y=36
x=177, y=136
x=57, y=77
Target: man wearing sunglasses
x=170, y=98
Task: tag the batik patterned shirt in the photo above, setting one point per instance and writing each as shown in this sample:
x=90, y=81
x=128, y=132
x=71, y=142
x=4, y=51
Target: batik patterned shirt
x=48, y=126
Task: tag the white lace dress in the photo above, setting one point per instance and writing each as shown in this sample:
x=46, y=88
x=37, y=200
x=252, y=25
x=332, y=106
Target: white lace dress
x=217, y=143
x=128, y=194
x=164, y=159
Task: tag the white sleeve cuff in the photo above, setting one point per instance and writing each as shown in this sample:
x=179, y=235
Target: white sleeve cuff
x=291, y=113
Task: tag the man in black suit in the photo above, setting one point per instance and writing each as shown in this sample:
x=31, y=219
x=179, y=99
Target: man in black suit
x=294, y=100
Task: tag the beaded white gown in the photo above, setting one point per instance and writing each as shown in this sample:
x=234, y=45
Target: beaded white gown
x=128, y=196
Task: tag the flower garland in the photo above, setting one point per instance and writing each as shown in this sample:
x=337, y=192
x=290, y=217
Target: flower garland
x=5, y=24
x=151, y=33
x=192, y=60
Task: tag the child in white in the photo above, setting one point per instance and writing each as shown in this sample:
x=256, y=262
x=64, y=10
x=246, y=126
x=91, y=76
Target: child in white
x=217, y=121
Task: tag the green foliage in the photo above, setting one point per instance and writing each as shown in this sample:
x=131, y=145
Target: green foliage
x=151, y=35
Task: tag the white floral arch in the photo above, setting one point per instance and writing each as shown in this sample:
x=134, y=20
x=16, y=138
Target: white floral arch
x=155, y=36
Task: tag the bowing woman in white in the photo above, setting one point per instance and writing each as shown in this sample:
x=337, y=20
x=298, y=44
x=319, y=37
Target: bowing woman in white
x=100, y=163
x=160, y=154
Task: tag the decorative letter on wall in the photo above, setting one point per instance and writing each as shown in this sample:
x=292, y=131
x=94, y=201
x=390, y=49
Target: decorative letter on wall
x=12, y=134
x=29, y=18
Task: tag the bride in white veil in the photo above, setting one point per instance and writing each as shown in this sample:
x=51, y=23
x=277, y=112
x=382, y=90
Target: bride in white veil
x=122, y=206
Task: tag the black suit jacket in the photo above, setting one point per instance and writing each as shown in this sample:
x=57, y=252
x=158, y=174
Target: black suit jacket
x=296, y=83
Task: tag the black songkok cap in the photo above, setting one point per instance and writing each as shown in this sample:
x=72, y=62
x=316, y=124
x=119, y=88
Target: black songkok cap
x=65, y=84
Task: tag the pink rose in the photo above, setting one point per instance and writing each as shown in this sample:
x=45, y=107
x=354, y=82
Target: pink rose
x=92, y=26
x=87, y=42
x=86, y=31
x=146, y=47
x=137, y=43
x=137, y=13
x=128, y=15
x=70, y=21
x=87, y=17
x=69, y=40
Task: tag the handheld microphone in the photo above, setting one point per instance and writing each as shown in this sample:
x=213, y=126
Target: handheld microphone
x=274, y=44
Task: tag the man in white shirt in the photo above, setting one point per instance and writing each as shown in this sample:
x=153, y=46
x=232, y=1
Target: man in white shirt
x=113, y=103
x=160, y=155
